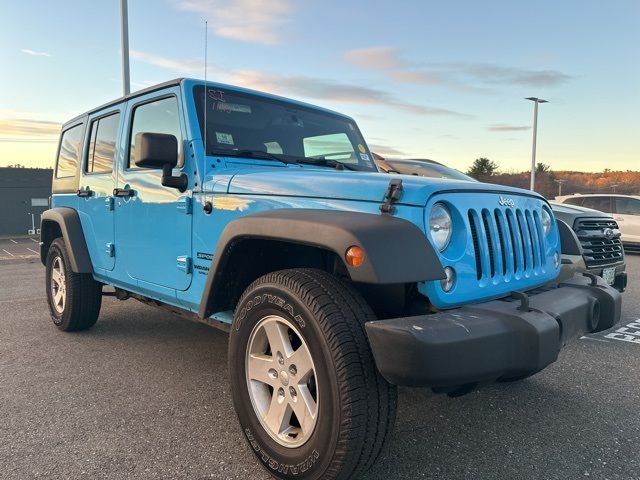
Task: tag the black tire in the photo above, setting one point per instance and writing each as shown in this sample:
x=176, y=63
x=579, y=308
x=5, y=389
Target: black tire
x=78, y=305
x=356, y=407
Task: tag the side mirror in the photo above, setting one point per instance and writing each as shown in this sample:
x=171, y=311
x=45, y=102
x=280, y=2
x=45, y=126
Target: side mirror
x=160, y=151
x=155, y=150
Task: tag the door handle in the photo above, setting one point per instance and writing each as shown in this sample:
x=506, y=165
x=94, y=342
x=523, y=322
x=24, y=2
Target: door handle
x=84, y=193
x=123, y=192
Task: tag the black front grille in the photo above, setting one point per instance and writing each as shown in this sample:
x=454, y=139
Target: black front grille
x=599, y=248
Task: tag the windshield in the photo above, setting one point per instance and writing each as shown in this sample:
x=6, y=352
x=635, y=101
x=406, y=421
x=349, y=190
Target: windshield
x=427, y=169
x=241, y=124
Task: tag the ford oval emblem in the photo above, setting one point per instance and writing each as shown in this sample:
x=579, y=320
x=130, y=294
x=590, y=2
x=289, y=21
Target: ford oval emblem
x=506, y=202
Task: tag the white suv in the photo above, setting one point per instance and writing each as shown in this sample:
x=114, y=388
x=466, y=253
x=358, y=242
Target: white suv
x=624, y=208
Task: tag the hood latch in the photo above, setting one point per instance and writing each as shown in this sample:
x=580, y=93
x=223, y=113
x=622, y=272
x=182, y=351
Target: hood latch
x=392, y=195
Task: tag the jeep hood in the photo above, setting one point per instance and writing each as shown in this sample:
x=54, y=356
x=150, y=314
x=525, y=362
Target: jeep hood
x=348, y=185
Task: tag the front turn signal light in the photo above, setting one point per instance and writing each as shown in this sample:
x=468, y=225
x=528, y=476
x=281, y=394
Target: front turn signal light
x=354, y=256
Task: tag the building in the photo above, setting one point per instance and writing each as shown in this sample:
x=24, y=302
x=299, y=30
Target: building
x=24, y=195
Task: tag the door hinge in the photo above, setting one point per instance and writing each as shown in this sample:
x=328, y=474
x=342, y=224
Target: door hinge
x=110, y=248
x=186, y=205
x=108, y=202
x=184, y=264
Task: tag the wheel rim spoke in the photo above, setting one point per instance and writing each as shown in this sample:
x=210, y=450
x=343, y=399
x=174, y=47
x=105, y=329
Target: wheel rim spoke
x=58, y=285
x=279, y=414
x=262, y=368
x=278, y=338
x=301, y=358
x=305, y=408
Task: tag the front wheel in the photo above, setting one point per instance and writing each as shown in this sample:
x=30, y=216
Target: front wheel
x=308, y=395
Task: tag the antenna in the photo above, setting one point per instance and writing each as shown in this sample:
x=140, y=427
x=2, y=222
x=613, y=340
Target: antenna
x=206, y=27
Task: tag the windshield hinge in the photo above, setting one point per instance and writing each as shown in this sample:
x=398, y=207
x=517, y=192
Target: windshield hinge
x=185, y=205
x=392, y=195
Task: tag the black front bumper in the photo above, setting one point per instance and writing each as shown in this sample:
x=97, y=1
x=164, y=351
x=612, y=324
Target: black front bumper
x=494, y=340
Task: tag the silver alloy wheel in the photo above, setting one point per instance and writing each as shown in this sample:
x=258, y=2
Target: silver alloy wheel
x=281, y=378
x=58, y=285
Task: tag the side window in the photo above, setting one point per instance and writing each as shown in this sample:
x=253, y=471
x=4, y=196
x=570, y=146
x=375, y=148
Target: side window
x=102, y=149
x=69, y=155
x=627, y=206
x=159, y=116
x=574, y=201
x=598, y=203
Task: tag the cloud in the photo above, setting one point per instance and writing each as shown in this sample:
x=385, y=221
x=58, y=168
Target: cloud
x=298, y=86
x=28, y=130
x=188, y=67
x=254, y=21
x=457, y=75
x=502, y=127
x=35, y=53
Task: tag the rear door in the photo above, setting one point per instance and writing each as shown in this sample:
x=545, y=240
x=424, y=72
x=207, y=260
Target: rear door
x=153, y=222
x=628, y=217
x=96, y=203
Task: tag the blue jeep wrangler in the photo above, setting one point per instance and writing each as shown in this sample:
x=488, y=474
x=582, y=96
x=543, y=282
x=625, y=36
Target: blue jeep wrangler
x=267, y=217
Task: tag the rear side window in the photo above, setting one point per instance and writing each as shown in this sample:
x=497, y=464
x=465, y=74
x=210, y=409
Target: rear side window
x=69, y=154
x=627, y=206
x=159, y=116
x=102, y=146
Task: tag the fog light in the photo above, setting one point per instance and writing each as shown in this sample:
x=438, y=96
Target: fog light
x=449, y=281
x=556, y=260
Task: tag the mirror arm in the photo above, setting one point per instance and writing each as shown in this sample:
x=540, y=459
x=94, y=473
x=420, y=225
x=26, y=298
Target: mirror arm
x=168, y=180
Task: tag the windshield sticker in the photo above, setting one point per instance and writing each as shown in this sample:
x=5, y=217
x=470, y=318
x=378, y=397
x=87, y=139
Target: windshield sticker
x=361, y=148
x=225, y=138
x=365, y=157
x=233, y=107
x=217, y=95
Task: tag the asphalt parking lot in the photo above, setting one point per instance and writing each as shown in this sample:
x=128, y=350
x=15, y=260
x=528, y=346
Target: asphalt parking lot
x=18, y=247
x=144, y=394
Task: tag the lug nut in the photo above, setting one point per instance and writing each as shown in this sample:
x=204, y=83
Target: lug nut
x=280, y=358
x=273, y=373
x=293, y=370
x=293, y=393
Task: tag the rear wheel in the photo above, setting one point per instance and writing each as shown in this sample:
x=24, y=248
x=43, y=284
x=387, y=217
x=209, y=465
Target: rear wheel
x=308, y=396
x=74, y=298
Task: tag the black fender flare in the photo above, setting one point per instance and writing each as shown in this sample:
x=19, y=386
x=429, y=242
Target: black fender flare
x=68, y=223
x=569, y=243
x=396, y=251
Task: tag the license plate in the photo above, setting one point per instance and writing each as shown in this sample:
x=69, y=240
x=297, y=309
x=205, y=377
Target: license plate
x=609, y=275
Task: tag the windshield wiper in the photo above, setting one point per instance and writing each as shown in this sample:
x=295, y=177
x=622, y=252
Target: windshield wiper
x=325, y=162
x=259, y=154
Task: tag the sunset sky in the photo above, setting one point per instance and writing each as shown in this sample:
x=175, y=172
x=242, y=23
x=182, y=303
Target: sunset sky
x=424, y=79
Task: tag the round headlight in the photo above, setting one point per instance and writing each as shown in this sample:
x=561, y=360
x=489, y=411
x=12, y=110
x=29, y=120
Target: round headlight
x=440, y=226
x=546, y=221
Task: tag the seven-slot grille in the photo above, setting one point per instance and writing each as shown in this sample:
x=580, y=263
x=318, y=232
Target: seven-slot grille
x=506, y=241
x=598, y=249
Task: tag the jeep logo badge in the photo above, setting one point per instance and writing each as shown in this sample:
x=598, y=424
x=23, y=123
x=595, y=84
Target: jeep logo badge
x=506, y=202
x=609, y=233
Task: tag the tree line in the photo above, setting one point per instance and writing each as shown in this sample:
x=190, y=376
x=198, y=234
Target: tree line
x=550, y=182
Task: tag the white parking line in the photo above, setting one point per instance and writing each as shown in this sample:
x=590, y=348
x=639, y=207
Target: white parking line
x=34, y=240
x=32, y=251
x=8, y=253
x=629, y=333
x=12, y=240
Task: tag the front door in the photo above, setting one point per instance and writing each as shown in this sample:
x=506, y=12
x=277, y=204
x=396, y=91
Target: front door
x=96, y=188
x=153, y=223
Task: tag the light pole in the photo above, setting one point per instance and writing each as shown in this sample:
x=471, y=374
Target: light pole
x=124, y=37
x=536, y=101
x=560, y=182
